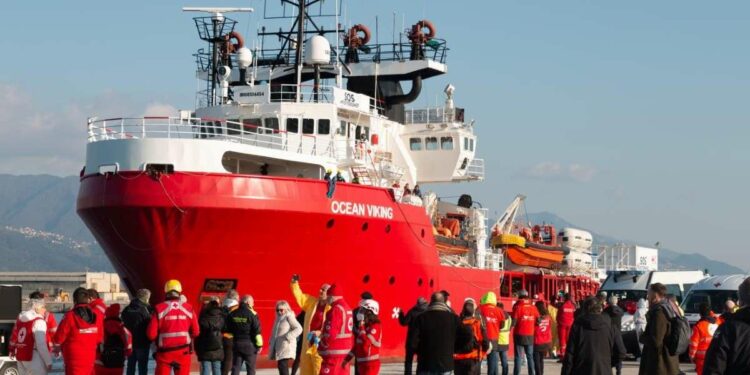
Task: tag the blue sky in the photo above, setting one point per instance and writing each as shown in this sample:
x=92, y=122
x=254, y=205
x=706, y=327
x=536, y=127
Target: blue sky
x=629, y=118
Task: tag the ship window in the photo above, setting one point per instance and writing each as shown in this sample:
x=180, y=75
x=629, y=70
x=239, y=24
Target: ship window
x=251, y=125
x=234, y=127
x=431, y=143
x=272, y=125
x=324, y=126
x=446, y=143
x=292, y=125
x=516, y=285
x=308, y=126
x=466, y=144
x=505, y=287
x=415, y=144
x=362, y=133
x=471, y=144
x=342, y=128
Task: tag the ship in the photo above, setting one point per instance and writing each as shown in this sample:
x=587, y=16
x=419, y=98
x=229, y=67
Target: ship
x=302, y=157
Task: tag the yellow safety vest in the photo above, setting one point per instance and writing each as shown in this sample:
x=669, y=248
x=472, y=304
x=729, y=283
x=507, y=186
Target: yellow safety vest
x=503, y=337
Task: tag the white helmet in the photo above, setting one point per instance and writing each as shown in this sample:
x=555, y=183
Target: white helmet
x=370, y=304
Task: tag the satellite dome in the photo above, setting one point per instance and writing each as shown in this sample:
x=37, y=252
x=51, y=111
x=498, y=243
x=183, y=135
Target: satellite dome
x=244, y=57
x=317, y=51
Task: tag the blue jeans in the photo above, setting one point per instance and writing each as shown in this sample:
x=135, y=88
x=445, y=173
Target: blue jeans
x=529, y=352
x=210, y=367
x=504, y=361
x=139, y=357
x=492, y=359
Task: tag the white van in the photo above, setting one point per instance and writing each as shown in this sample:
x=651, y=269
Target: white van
x=630, y=286
x=714, y=291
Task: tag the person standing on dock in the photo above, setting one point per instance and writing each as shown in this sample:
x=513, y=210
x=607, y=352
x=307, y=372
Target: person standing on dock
x=28, y=344
x=471, y=341
x=369, y=336
x=591, y=345
x=656, y=359
x=700, y=340
x=336, y=338
x=728, y=352
x=615, y=314
x=433, y=337
x=525, y=316
x=503, y=339
x=315, y=309
x=116, y=346
x=173, y=326
x=208, y=345
x=49, y=318
x=494, y=318
x=136, y=317
x=565, y=317
x=408, y=321
x=284, y=335
x=244, y=325
x=231, y=303
x=78, y=335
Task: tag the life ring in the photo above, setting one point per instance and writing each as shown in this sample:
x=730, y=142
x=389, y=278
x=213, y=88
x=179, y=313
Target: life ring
x=353, y=40
x=233, y=47
x=417, y=34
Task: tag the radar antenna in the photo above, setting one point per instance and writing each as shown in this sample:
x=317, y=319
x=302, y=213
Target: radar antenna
x=217, y=30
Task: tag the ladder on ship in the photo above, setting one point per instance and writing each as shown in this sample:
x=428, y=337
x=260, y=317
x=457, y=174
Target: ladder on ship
x=364, y=175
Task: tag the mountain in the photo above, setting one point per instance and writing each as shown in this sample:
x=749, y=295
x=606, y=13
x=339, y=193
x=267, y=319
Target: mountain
x=40, y=230
x=668, y=259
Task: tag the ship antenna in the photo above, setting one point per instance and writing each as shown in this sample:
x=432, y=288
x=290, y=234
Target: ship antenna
x=220, y=27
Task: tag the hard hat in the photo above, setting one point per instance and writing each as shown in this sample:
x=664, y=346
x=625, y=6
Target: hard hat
x=173, y=285
x=370, y=304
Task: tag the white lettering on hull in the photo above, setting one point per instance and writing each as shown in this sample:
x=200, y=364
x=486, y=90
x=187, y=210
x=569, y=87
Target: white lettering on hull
x=361, y=209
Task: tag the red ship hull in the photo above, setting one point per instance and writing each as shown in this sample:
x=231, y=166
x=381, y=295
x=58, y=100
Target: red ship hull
x=259, y=230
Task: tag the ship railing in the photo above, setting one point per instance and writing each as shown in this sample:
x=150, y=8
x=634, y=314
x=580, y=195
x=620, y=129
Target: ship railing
x=438, y=115
x=206, y=129
x=475, y=169
x=435, y=49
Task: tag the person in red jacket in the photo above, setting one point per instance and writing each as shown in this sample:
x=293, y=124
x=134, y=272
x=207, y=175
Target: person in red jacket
x=369, y=336
x=525, y=316
x=493, y=318
x=336, y=339
x=542, y=337
x=703, y=333
x=78, y=335
x=173, y=327
x=116, y=346
x=565, y=317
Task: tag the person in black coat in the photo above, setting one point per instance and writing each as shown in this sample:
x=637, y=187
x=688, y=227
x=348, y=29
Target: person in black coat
x=433, y=336
x=407, y=321
x=136, y=317
x=591, y=344
x=615, y=314
x=208, y=345
x=728, y=352
x=244, y=326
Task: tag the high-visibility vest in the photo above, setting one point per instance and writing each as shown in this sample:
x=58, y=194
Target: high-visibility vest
x=174, y=319
x=24, y=340
x=504, y=337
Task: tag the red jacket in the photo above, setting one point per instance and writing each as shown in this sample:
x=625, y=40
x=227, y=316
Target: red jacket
x=543, y=331
x=336, y=338
x=565, y=314
x=173, y=325
x=703, y=333
x=493, y=320
x=367, y=344
x=114, y=326
x=79, y=334
x=525, y=316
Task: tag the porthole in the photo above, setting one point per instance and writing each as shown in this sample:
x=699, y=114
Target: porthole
x=330, y=223
x=366, y=279
x=364, y=227
x=420, y=282
x=432, y=283
x=388, y=228
x=422, y=233
x=392, y=280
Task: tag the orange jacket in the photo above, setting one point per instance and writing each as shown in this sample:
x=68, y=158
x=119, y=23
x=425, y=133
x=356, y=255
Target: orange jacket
x=477, y=352
x=700, y=340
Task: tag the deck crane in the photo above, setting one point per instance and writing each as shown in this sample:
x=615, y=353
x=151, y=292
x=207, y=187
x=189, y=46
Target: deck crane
x=504, y=224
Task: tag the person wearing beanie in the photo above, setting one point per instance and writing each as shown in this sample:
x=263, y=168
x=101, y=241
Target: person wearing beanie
x=116, y=346
x=525, y=316
x=231, y=303
x=337, y=337
x=136, y=317
x=471, y=341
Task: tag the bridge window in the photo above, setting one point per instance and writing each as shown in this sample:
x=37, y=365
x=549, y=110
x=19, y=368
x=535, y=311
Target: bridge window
x=272, y=125
x=415, y=144
x=362, y=133
x=466, y=144
x=251, y=125
x=431, y=143
x=342, y=128
x=324, y=126
x=446, y=143
x=471, y=144
x=234, y=127
x=308, y=126
x=292, y=125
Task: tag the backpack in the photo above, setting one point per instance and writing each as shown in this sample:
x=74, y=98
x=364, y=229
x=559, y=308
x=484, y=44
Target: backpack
x=678, y=338
x=466, y=341
x=113, y=351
